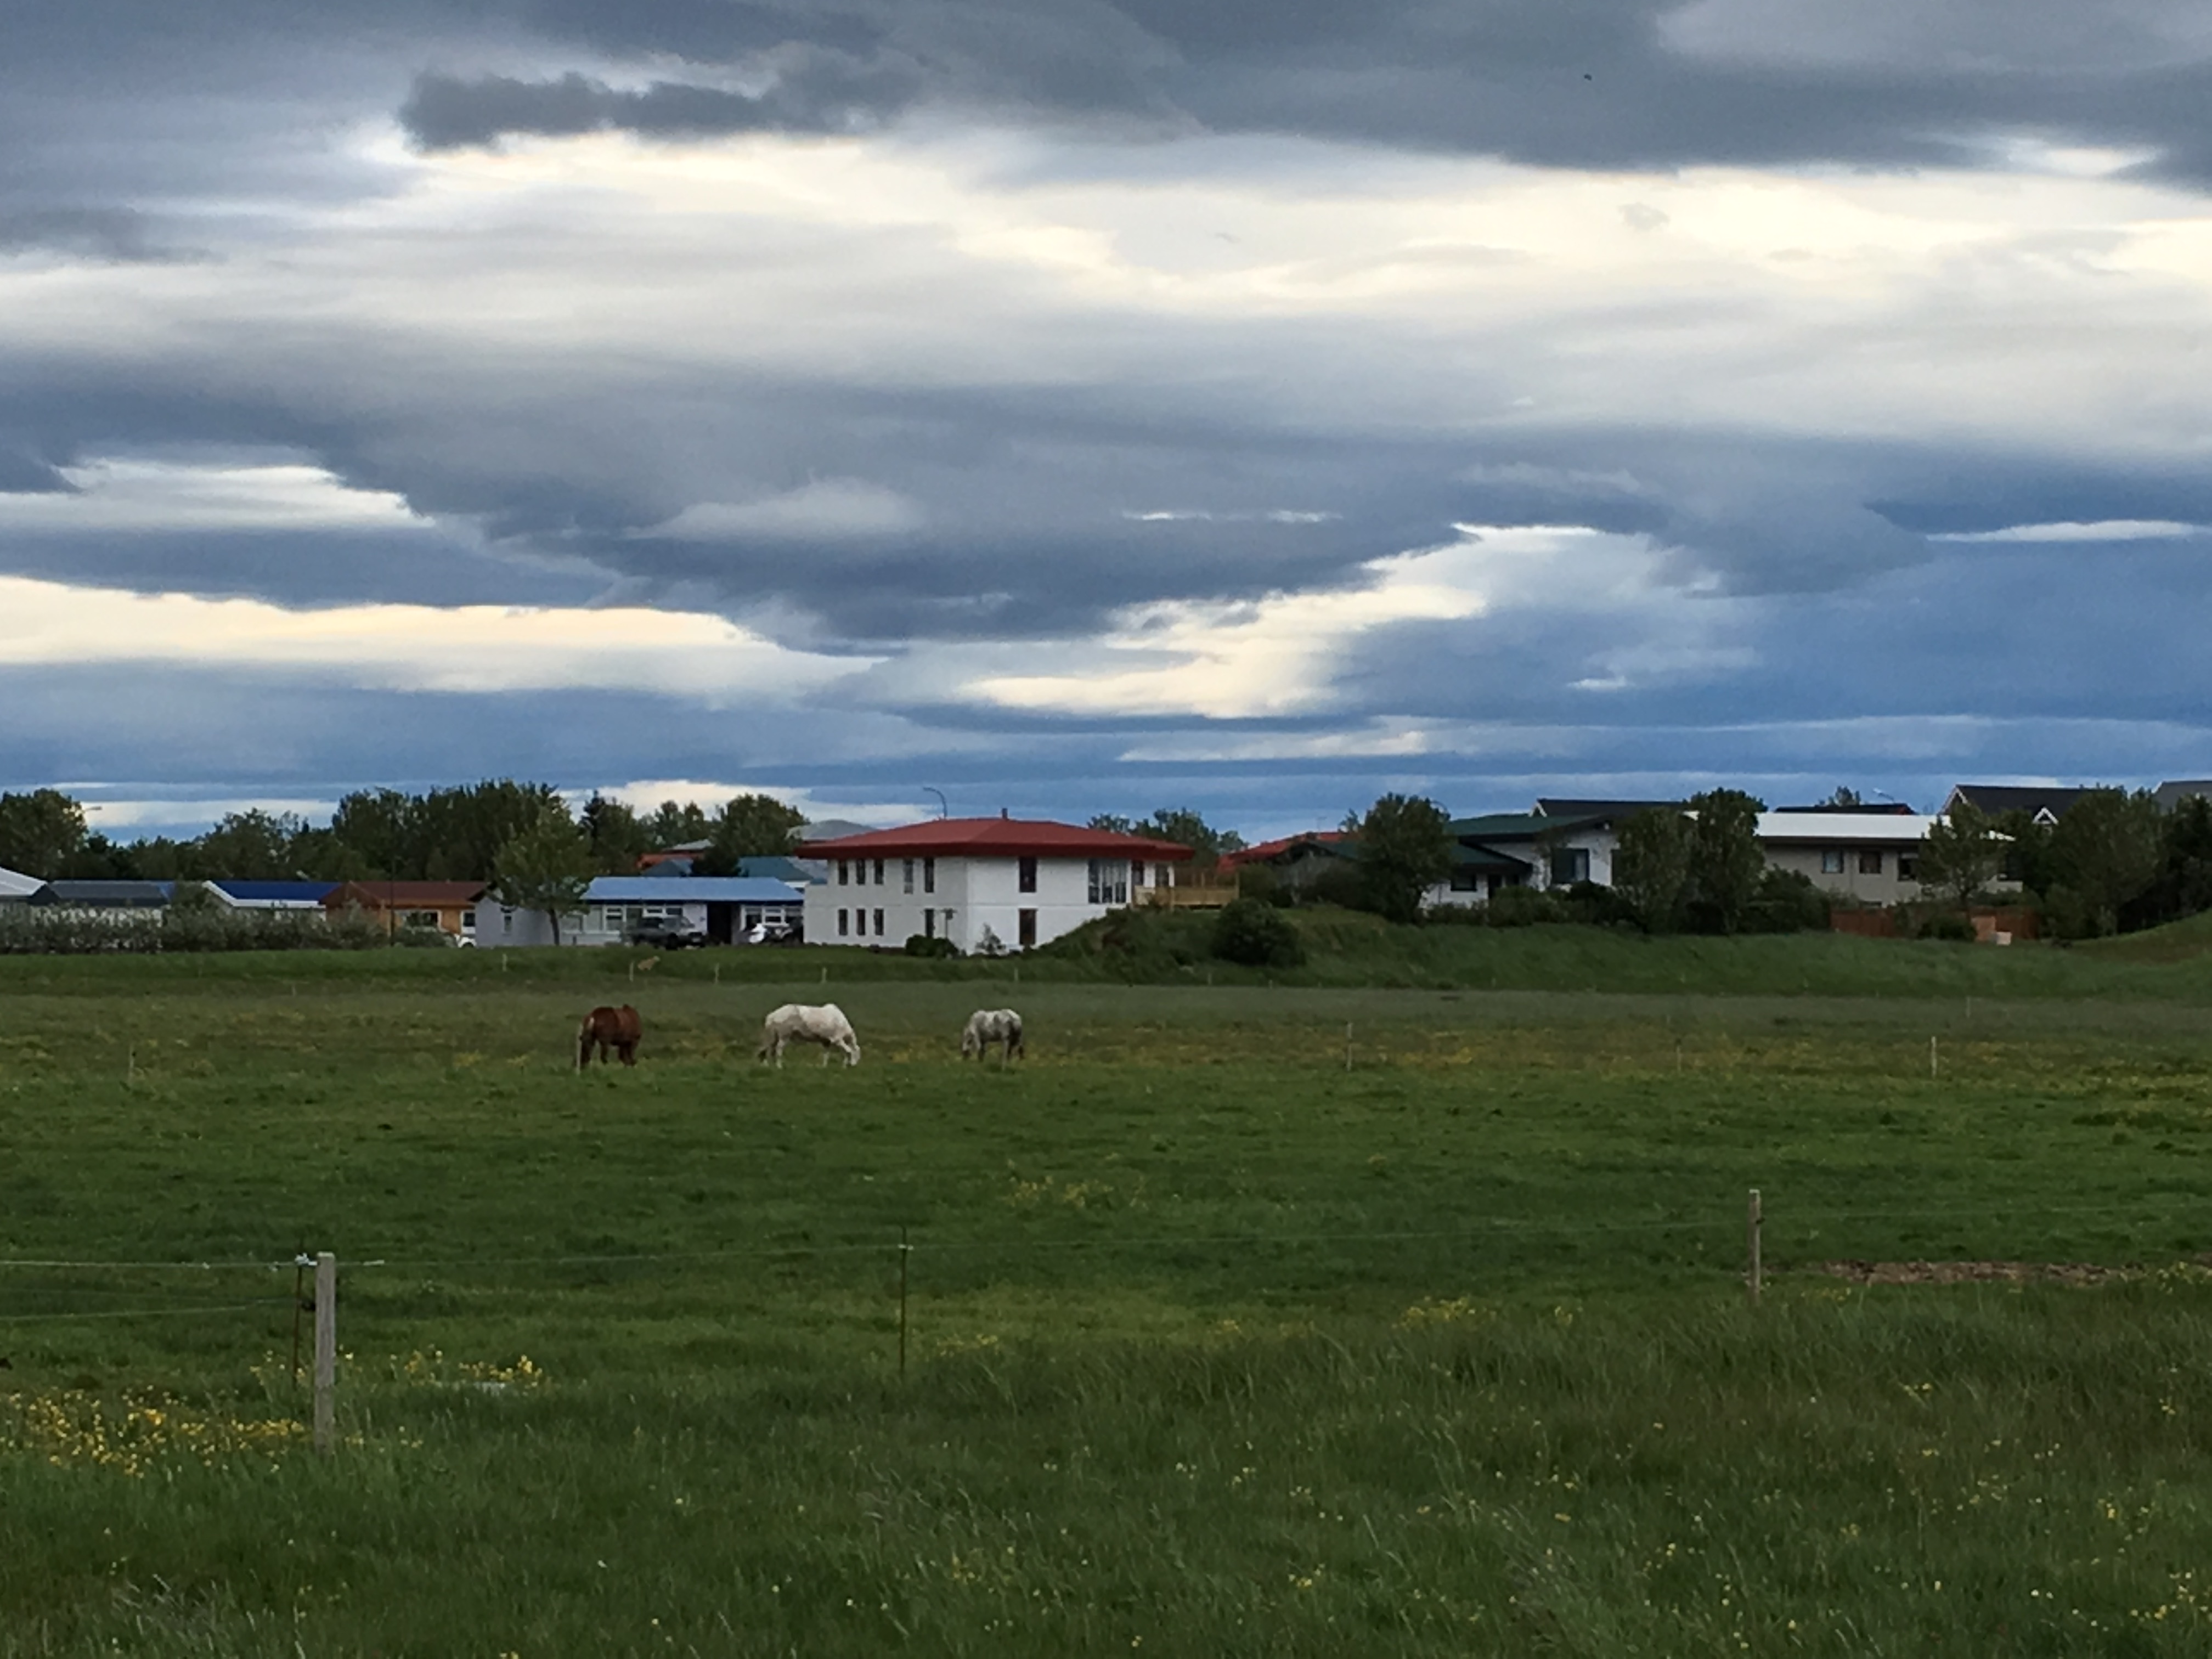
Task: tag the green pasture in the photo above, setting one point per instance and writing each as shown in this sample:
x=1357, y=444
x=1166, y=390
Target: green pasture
x=1215, y=1342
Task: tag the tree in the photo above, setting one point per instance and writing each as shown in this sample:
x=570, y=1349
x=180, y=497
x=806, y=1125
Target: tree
x=2025, y=856
x=1406, y=848
x=2185, y=887
x=546, y=866
x=1725, y=860
x=1844, y=798
x=618, y=837
x=748, y=826
x=1651, y=866
x=1960, y=853
x=1182, y=825
x=250, y=846
x=674, y=824
x=39, y=831
x=2109, y=849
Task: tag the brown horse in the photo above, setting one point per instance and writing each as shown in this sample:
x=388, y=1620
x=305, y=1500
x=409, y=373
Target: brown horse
x=618, y=1029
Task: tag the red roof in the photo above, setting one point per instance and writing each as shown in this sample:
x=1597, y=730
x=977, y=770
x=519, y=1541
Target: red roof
x=1267, y=849
x=999, y=837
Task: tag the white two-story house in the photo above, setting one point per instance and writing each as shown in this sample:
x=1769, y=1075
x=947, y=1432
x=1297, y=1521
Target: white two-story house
x=1020, y=881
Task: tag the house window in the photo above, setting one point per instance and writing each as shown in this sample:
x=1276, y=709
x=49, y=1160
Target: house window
x=1832, y=861
x=1137, y=872
x=468, y=919
x=506, y=920
x=419, y=919
x=1869, y=860
x=844, y=916
x=1026, y=927
x=1569, y=866
x=929, y=875
x=1908, y=866
x=1109, y=882
x=1025, y=876
x=842, y=872
x=879, y=872
x=929, y=924
x=879, y=924
x=909, y=876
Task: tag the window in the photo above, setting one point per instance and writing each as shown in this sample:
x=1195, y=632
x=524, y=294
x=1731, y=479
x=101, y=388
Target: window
x=879, y=872
x=506, y=920
x=1569, y=866
x=929, y=924
x=1832, y=861
x=929, y=875
x=419, y=919
x=468, y=918
x=1137, y=872
x=1908, y=866
x=842, y=872
x=1025, y=875
x=879, y=924
x=1109, y=882
x=1026, y=927
x=909, y=876
x=1869, y=860
x=844, y=916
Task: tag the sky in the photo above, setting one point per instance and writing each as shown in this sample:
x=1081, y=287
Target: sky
x=1074, y=407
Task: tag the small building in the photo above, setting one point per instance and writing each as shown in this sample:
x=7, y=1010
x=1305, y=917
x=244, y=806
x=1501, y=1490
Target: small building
x=1022, y=881
x=1870, y=857
x=725, y=910
x=2170, y=795
x=1298, y=861
x=448, y=906
x=1560, y=843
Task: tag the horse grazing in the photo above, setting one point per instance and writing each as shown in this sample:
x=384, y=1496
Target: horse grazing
x=796, y=1022
x=986, y=1026
x=618, y=1029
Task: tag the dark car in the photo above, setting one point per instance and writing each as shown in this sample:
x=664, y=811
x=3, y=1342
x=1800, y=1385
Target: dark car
x=664, y=933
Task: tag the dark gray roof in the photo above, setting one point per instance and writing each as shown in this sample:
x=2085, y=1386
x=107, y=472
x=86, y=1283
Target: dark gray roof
x=2035, y=800
x=1603, y=811
x=2170, y=795
x=106, y=895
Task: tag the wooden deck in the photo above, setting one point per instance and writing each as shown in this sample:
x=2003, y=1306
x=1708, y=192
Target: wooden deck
x=1187, y=899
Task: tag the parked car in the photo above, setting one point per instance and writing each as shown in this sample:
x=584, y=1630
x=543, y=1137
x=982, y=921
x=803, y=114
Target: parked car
x=666, y=933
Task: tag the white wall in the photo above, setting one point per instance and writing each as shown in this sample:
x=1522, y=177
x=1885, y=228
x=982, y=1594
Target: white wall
x=971, y=895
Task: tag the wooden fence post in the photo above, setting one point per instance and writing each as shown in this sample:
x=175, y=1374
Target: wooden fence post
x=1347, y=1045
x=905, y=1251
x=326, y=1352
x=1931, y=1058
x=1751, y=1237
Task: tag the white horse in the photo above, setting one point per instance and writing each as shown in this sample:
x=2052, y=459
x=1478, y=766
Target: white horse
x=796, y=1022
x=988, y=1025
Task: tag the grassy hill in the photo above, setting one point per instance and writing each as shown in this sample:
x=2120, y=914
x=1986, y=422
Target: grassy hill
x=1344, y=949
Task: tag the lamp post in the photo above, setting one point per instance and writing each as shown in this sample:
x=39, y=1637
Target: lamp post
x=943, y=807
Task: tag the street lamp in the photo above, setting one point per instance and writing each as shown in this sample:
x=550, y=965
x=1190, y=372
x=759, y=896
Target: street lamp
x=943, y=807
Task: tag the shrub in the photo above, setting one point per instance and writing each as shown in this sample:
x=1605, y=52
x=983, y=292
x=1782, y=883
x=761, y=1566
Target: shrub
x=1256, y=934
x=1949, y=925
x=1787, y=902
x=1522, y=907
x=1600, y=906
x=930, y=945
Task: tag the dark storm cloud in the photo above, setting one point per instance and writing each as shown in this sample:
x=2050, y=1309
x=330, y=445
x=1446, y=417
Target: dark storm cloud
x=1564, y=82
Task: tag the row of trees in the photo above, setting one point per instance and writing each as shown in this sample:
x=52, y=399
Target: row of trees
x=389, y=835
x=2114, y=862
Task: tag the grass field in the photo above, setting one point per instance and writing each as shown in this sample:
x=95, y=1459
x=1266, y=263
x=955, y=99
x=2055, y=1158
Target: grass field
x=1214, y=1346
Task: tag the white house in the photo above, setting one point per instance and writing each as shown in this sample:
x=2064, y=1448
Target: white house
x=1021, y=881
x=1558, y=844
x=724, y=908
